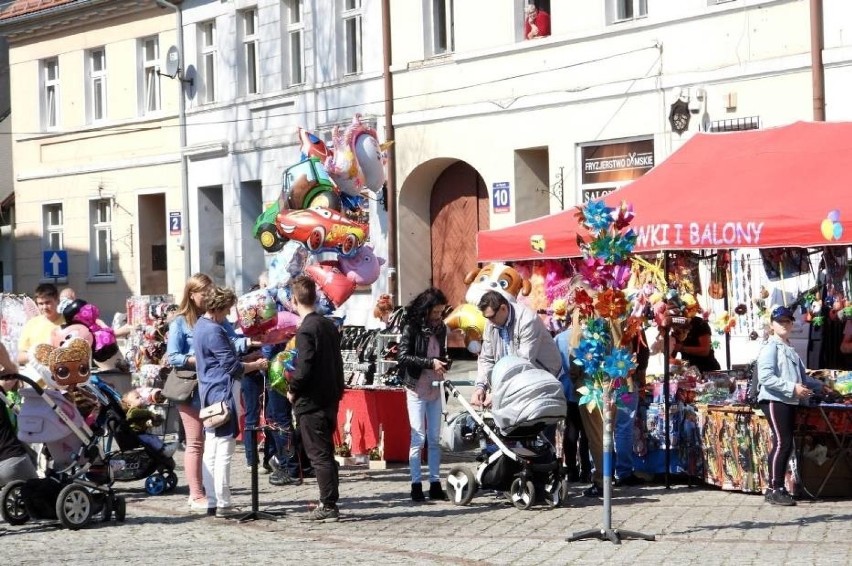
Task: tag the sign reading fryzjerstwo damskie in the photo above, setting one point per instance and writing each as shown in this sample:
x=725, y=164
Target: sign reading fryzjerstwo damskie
x=614, y=162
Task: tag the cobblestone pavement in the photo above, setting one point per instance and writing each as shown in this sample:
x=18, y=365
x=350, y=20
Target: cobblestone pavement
x=380, y=525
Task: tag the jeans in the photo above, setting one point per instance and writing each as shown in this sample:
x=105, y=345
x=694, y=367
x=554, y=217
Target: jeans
x=317, y=429
x=424, y=418
x=216, y=472
x=279, y=414
x=192, y=456
x=252, y=387
x=623, y=435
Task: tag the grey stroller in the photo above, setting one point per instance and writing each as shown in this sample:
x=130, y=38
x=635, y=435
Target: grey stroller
x=517, y=458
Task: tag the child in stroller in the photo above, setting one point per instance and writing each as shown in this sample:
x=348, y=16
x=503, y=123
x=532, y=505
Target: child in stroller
x=140, y=454
x=517, y=459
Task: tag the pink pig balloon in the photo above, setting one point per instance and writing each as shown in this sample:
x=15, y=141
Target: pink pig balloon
x=363, y=267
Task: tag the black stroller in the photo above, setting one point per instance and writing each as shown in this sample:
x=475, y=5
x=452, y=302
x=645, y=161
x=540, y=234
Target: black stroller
x=77, y=486
x=517, y=458
x=134, y=460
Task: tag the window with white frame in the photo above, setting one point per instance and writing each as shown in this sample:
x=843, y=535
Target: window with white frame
x=97, y=84
x=207, y=48
x=53, y=230
x=352, y=36
x=295, y=47
x=626, y=10
x=250, y=41
x=100, y=252
x=150, y=79
x=440, y=17
x=50, y=93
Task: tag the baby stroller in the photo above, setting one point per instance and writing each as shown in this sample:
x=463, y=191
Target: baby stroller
x=78, y=482
x=517, y=458
x=134, y=460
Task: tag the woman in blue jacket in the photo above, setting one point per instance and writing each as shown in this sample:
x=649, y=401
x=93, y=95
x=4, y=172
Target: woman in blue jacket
x=784, y=385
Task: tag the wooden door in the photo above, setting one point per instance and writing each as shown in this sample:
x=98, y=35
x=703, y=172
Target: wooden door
x=458, y=209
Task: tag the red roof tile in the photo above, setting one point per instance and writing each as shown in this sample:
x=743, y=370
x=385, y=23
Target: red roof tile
x=23, y=7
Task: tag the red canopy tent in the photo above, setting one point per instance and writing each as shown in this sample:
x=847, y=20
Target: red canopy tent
x=779, y=187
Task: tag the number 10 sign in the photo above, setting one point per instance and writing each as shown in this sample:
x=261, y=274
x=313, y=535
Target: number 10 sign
x=500, y=198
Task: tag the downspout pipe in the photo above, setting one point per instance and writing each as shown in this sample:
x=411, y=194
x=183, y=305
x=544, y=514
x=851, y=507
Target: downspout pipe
x=184, y=169
x=817, y=67
x=390, y=191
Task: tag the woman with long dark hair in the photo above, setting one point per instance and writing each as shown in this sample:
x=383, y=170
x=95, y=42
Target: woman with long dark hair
x=423, y=360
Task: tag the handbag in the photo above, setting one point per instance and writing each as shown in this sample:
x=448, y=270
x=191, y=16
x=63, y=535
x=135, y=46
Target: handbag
x=180, y=385
x=215, y=415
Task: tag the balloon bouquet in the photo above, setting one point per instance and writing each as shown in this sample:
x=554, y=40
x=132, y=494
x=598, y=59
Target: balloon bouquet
x=317, y=227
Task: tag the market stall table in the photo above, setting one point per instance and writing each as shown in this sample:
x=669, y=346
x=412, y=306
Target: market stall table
x=370, y=412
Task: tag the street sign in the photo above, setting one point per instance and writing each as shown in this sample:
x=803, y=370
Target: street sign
x=500, y=200
x=175, y=223
x=55, y=263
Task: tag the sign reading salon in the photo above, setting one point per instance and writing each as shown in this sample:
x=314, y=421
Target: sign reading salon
x=617, y=162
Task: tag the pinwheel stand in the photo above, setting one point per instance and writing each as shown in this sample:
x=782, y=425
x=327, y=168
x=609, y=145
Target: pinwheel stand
x=255, y=513
x=606, y=532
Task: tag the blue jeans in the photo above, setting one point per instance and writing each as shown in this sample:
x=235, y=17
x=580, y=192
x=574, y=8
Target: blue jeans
x=623, y=435
x=279, y=414
x=252, y=386
x=424, y=418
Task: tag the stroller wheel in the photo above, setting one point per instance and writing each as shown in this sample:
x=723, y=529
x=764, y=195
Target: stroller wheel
x=522, y=493
x=12, y=504
x=461, y=485
x=74, y=506
x=555, y=492
x=106, y=508
x=120, y=508
x=155, y=484
x=171, y=480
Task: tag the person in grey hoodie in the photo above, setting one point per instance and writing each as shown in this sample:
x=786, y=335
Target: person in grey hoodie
x=784, y=385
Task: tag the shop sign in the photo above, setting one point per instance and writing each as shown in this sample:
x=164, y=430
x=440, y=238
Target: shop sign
x=617, y=162
x=594, y=194
x=706, y=235
x=500, y=197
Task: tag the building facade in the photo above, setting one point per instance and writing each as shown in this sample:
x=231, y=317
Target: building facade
x=531, y=126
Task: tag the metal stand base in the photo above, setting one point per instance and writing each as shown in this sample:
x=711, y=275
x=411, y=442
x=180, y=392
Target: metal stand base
x=255, y=514
x=612, y=535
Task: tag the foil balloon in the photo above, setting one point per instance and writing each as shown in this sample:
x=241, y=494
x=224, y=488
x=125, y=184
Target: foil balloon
x=288, y=263
x=333, y=283
x=363, y=268
x=343, y=164
x=307, y=184
x=468, y=320
x=62, y=336
x=371, y=158
x=256, y=313
x=285, y=328
x=281, y=369
x=311, y=146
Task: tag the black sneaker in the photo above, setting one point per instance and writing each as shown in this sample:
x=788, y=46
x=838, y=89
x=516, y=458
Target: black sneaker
x=779, y=497
x=436, y=492
x=323, y=514
x=630, y=480
x=593, y=491
x=280, y=477
x=417, y=492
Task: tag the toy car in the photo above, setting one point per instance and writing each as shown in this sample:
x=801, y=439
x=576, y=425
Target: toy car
x=319, y=229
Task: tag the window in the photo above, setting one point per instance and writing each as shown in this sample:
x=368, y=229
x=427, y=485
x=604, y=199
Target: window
x=97, y=85
x=52, y=219
x=151, y=79
x=626, y=10
x=441, y=18
x=249, y=27
x=295, y=45
x=352, y=35
x=100, y=253
x=50, y=93
x=207, y=33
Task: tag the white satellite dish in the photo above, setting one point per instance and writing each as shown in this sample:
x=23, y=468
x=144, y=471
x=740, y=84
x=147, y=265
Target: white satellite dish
x=172, y=62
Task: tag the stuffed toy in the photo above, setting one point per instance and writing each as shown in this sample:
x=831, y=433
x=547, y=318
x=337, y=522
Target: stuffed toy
x=105, y=352
x=66, y=366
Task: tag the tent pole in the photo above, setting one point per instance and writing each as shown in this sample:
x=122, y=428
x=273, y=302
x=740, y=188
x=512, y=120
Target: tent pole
x=666, y=375
x=727, y=305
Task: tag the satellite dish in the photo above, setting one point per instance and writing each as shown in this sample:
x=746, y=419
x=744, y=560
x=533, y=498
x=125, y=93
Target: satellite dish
x=190, y=75
x=172, y=63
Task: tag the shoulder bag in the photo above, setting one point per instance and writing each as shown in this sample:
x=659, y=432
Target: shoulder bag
x=215, y=415
x=180, y=385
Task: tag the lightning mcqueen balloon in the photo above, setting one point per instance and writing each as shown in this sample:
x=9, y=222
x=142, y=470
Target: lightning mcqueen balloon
x=322, y=230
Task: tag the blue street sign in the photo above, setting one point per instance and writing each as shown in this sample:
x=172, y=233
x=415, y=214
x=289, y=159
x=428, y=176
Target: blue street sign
x=55, y=263
x=500, y=200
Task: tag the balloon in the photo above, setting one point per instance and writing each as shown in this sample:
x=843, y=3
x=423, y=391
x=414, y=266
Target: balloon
x=304, y=182
x=834, y=215
x=61, y=336
x=256, y=312
x=467, y=319
x=370, y=158
x=328, y=277
x=289, y=263
x=838, y=231
x=363, y=268
x=827, y=229
x=285, y=328
x=281, y=369
x=311, y=146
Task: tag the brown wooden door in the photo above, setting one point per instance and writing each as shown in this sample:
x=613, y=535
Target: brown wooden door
x=458, y=209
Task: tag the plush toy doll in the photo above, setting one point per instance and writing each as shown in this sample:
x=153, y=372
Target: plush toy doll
x=66, y=368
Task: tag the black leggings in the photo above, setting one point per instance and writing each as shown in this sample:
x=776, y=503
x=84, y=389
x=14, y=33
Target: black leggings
x=780, y=416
